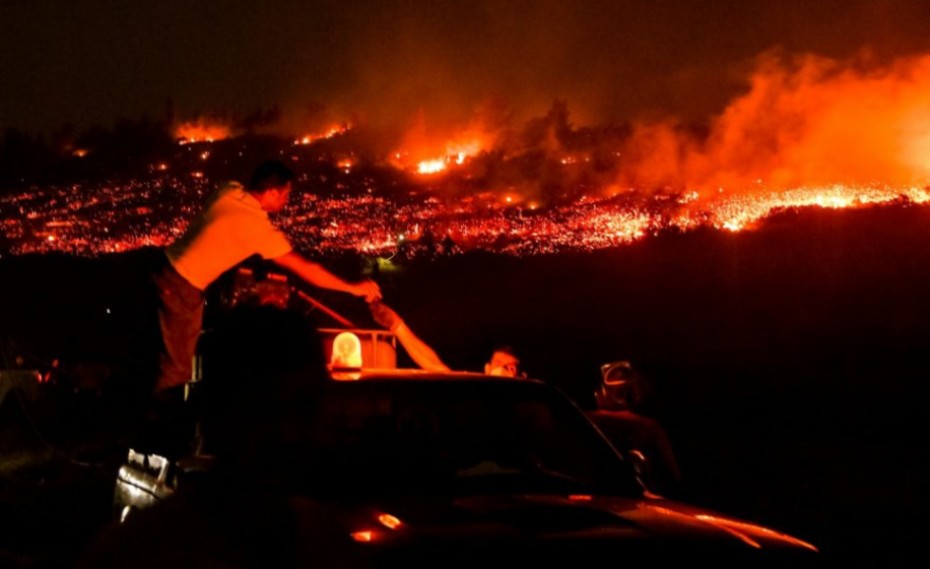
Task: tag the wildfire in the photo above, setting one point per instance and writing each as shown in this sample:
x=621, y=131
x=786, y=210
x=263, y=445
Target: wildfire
x=744, y=211
x=332, y=131
x=457, y=153
x=807, y=133
x=431, y=166
x=381, y=225
x=429, y=150
x=806, y=121
x=201, y=131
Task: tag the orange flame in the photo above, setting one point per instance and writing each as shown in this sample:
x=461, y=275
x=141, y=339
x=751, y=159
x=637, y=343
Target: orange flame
x=332, y=131
x=432, y=153
x=431, y=166
x=201, y=130
x=456, y=152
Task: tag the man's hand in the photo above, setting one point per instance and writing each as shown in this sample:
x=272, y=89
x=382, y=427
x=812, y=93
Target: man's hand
x=369, y=289
x=316, y=275
x=384, y=315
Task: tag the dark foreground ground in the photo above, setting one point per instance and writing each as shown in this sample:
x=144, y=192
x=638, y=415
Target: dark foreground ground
x=789, y=365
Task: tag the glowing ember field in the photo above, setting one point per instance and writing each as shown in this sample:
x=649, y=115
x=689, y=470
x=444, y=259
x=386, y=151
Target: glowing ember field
x=90, y=220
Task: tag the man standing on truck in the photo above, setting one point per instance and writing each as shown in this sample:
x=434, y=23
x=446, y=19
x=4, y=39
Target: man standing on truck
x=232, y=227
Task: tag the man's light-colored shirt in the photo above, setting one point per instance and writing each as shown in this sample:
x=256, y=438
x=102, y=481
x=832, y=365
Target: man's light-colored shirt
x=231, y=228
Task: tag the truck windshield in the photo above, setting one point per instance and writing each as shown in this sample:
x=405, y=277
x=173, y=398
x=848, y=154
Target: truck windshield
x=456, y=437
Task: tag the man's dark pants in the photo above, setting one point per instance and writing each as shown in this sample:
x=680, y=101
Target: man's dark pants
x=180, y=317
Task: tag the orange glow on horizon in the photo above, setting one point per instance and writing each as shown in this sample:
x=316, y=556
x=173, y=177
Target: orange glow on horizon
x=363, y=536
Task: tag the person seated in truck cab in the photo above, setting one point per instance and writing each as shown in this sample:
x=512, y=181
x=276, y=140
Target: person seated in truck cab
x=503, y=361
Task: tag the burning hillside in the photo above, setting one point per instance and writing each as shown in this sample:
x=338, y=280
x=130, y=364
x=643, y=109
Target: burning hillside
x=807, y=132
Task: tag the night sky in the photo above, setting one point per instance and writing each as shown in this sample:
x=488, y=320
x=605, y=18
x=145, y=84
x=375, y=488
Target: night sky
x=89, y=62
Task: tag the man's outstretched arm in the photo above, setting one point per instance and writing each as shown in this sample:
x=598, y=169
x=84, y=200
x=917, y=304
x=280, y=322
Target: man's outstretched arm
x=316, y=275
x=417, y=349
x=419, y=352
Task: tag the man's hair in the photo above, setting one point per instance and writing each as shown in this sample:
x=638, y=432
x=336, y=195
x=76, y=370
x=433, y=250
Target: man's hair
x=505, y=349
x=270, y=174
